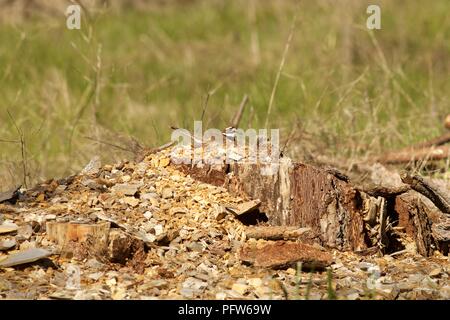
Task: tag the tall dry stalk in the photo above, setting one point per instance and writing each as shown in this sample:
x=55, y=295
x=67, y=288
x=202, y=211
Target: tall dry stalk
x=280, y=69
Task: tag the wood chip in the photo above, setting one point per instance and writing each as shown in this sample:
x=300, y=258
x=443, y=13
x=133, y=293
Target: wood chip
x=245, y=207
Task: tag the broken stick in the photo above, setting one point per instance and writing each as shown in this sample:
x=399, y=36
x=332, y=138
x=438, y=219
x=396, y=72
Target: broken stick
x=438, y=141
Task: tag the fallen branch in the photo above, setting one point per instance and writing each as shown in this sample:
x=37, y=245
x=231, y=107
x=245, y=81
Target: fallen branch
x=411, y=154
x=438, y=141
x=418, y=184
x=384, y=191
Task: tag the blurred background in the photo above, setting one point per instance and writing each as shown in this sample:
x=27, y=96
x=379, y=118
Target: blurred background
x=138, y=67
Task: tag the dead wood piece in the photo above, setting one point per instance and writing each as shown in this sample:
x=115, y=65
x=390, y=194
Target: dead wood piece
x=23, y=257
x=10, y=196
x=8, y=228
x=413, y=217
x=384, y=191
x=441, y=232
x=338, y=174
x=7, y=244
x=276, y=232
x=412, y=154
x=282, y=254
x=369, y=251
x=438, y=141
x=66, y=234
x=383, y=238
x=418, y=184
x=122, y=247
x=129, y=230
x=244, y=208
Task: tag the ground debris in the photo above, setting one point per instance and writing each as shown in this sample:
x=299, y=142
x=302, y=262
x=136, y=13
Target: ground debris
x=282, y=254
x=23, y=257
x=147, y=230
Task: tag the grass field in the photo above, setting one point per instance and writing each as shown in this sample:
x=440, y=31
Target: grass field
x=132, y=73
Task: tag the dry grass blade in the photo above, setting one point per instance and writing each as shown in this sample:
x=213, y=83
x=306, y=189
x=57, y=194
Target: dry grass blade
x=22, y=149
x=280, y=69
x=238, y=116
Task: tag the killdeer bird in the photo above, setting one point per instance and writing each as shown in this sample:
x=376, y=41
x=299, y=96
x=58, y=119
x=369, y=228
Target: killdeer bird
x=230, y=133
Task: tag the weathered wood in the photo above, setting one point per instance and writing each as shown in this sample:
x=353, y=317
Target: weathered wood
x=64, y=234
x=442, y=201
x=24, y=257
x=282, y=254
x=8, y=228
x=277, y=233
x=413, y=154
x=122, y=246
x=441, y=233
x=414, y=219
x=383, y=191
x=438, y=141
x=245, y=207
x=10, y=196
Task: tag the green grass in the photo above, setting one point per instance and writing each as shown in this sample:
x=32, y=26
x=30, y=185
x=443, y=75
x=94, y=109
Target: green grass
x=135, y=73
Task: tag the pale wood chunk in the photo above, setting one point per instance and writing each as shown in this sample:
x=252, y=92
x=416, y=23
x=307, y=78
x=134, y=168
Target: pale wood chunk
x=276, y=232
x=62, y=233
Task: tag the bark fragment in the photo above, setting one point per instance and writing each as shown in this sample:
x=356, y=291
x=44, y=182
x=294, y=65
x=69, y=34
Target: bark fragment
x=283, y=254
